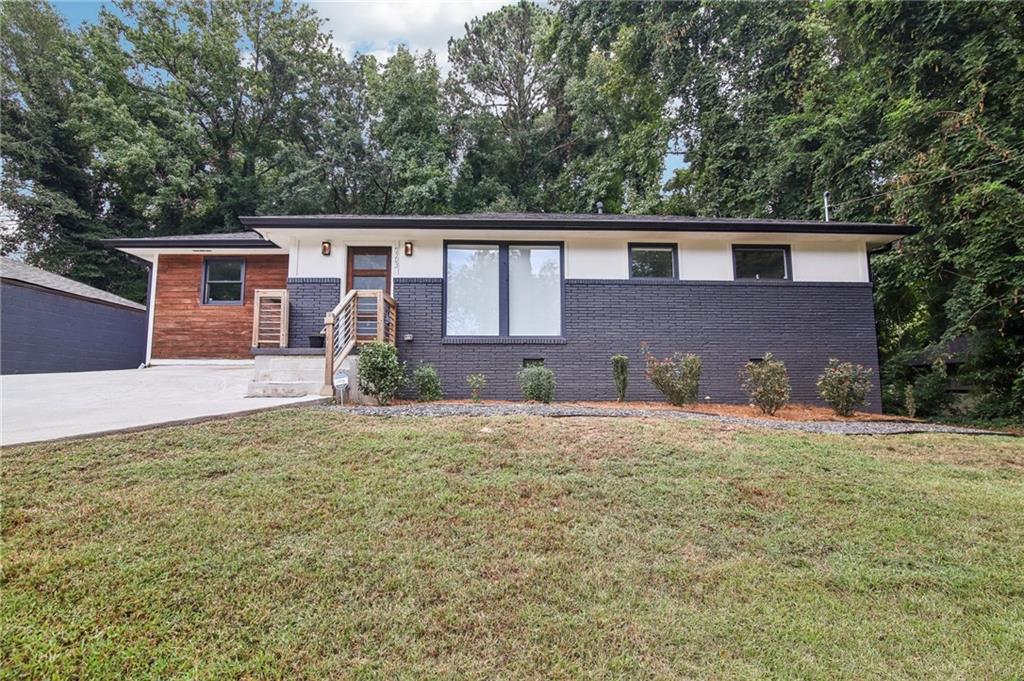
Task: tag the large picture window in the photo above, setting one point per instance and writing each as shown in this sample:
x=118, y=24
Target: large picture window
x=471, y=276
x=761, y=262
x=223, y=281
x=504, y=289
x=534, y=290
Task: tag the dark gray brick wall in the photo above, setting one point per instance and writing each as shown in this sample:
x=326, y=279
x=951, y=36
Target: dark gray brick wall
x=726, y=323
x=45, y=332
x=309, y=299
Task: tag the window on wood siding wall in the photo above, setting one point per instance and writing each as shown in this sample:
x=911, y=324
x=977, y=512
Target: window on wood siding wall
x=223, y=281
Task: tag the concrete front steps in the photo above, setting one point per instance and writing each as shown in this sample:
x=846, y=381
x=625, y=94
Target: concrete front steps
x=287, y=372
x=294, y=372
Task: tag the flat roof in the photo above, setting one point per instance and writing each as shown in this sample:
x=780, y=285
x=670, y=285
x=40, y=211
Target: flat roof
x=15, y=270
x=573, y=221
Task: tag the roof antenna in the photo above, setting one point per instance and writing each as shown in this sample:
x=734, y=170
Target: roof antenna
x=600, y=207
x=827, y=195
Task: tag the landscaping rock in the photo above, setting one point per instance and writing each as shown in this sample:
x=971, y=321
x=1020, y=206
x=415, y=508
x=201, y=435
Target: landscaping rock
x=556, y=411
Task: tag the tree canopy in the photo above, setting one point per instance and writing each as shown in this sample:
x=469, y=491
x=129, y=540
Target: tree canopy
x=178, y=116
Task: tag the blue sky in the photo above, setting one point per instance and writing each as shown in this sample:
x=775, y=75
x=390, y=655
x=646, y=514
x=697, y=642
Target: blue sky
x=369, y=26
x=372, y=26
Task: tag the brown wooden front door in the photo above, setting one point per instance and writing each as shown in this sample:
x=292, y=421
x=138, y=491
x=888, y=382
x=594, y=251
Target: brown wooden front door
x=369, y=267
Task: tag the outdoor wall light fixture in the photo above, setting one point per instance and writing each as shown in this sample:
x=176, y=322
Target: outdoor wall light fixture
x=325, y=248
x=408, y=248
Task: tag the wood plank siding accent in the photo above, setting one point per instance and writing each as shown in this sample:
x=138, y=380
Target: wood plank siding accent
x=184, y=328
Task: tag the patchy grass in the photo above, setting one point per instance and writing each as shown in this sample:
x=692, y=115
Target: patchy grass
x=303, y=543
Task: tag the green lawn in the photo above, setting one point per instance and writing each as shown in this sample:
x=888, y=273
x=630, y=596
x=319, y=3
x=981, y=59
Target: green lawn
x=302, y=543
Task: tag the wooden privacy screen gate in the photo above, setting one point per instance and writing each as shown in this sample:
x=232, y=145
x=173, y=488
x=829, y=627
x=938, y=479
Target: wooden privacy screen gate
x=270, y=318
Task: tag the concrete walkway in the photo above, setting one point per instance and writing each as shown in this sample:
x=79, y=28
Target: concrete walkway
x=37, y=407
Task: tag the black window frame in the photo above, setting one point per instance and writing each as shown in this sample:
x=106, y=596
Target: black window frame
x=503, y=288
x=675, y=259
x=787, y=258
x=203, y=294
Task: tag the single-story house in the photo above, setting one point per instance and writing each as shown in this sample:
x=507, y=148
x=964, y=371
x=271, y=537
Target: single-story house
x=49, y=323
x=489, y=293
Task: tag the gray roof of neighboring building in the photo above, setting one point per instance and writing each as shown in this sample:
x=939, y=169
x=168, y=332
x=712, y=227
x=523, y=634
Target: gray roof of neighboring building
x=575, y=221
x=221, y=240
x=19, y=271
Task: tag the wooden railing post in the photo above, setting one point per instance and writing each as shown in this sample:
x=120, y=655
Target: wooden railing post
x=284, y=319
x=380, y=315
x=391, y=319
x=328, y=389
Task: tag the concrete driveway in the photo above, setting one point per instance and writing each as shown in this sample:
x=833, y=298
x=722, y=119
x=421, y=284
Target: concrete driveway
x=49, y=406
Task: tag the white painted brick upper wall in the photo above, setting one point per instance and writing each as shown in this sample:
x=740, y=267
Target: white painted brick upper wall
x=705, y=260
x=588, y=255
x=829, y=262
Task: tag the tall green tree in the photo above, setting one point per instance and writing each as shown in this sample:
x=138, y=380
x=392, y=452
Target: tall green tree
x=410, y=171
x=619, y=133
x=507, y=93
x=947, y=81
x=244, y=72
x=47, y=172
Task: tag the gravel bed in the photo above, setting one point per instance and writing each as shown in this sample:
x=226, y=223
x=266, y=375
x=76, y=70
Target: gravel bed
x=556, y=411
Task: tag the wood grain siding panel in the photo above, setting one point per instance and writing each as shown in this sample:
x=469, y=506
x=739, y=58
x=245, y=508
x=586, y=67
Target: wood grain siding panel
x=184, y=328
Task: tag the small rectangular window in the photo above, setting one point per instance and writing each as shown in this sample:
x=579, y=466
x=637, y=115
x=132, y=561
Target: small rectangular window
x=223, y=281
x=761, y=262
x=533, y=362
x=652, y=261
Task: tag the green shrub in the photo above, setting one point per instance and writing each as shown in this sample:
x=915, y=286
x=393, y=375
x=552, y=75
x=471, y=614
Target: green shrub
x=676, y=377
x=620, y=373
x=767, y=384
x=844, y=386
x=909, y=403
x=537, y=383
x=477, y=383
x=381, y=375
x=428, y=383
x=930, y=390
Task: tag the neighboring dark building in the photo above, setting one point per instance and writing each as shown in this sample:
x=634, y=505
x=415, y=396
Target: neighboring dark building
x=50, y=323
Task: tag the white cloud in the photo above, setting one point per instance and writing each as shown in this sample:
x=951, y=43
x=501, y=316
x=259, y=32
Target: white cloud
x=378, y=27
